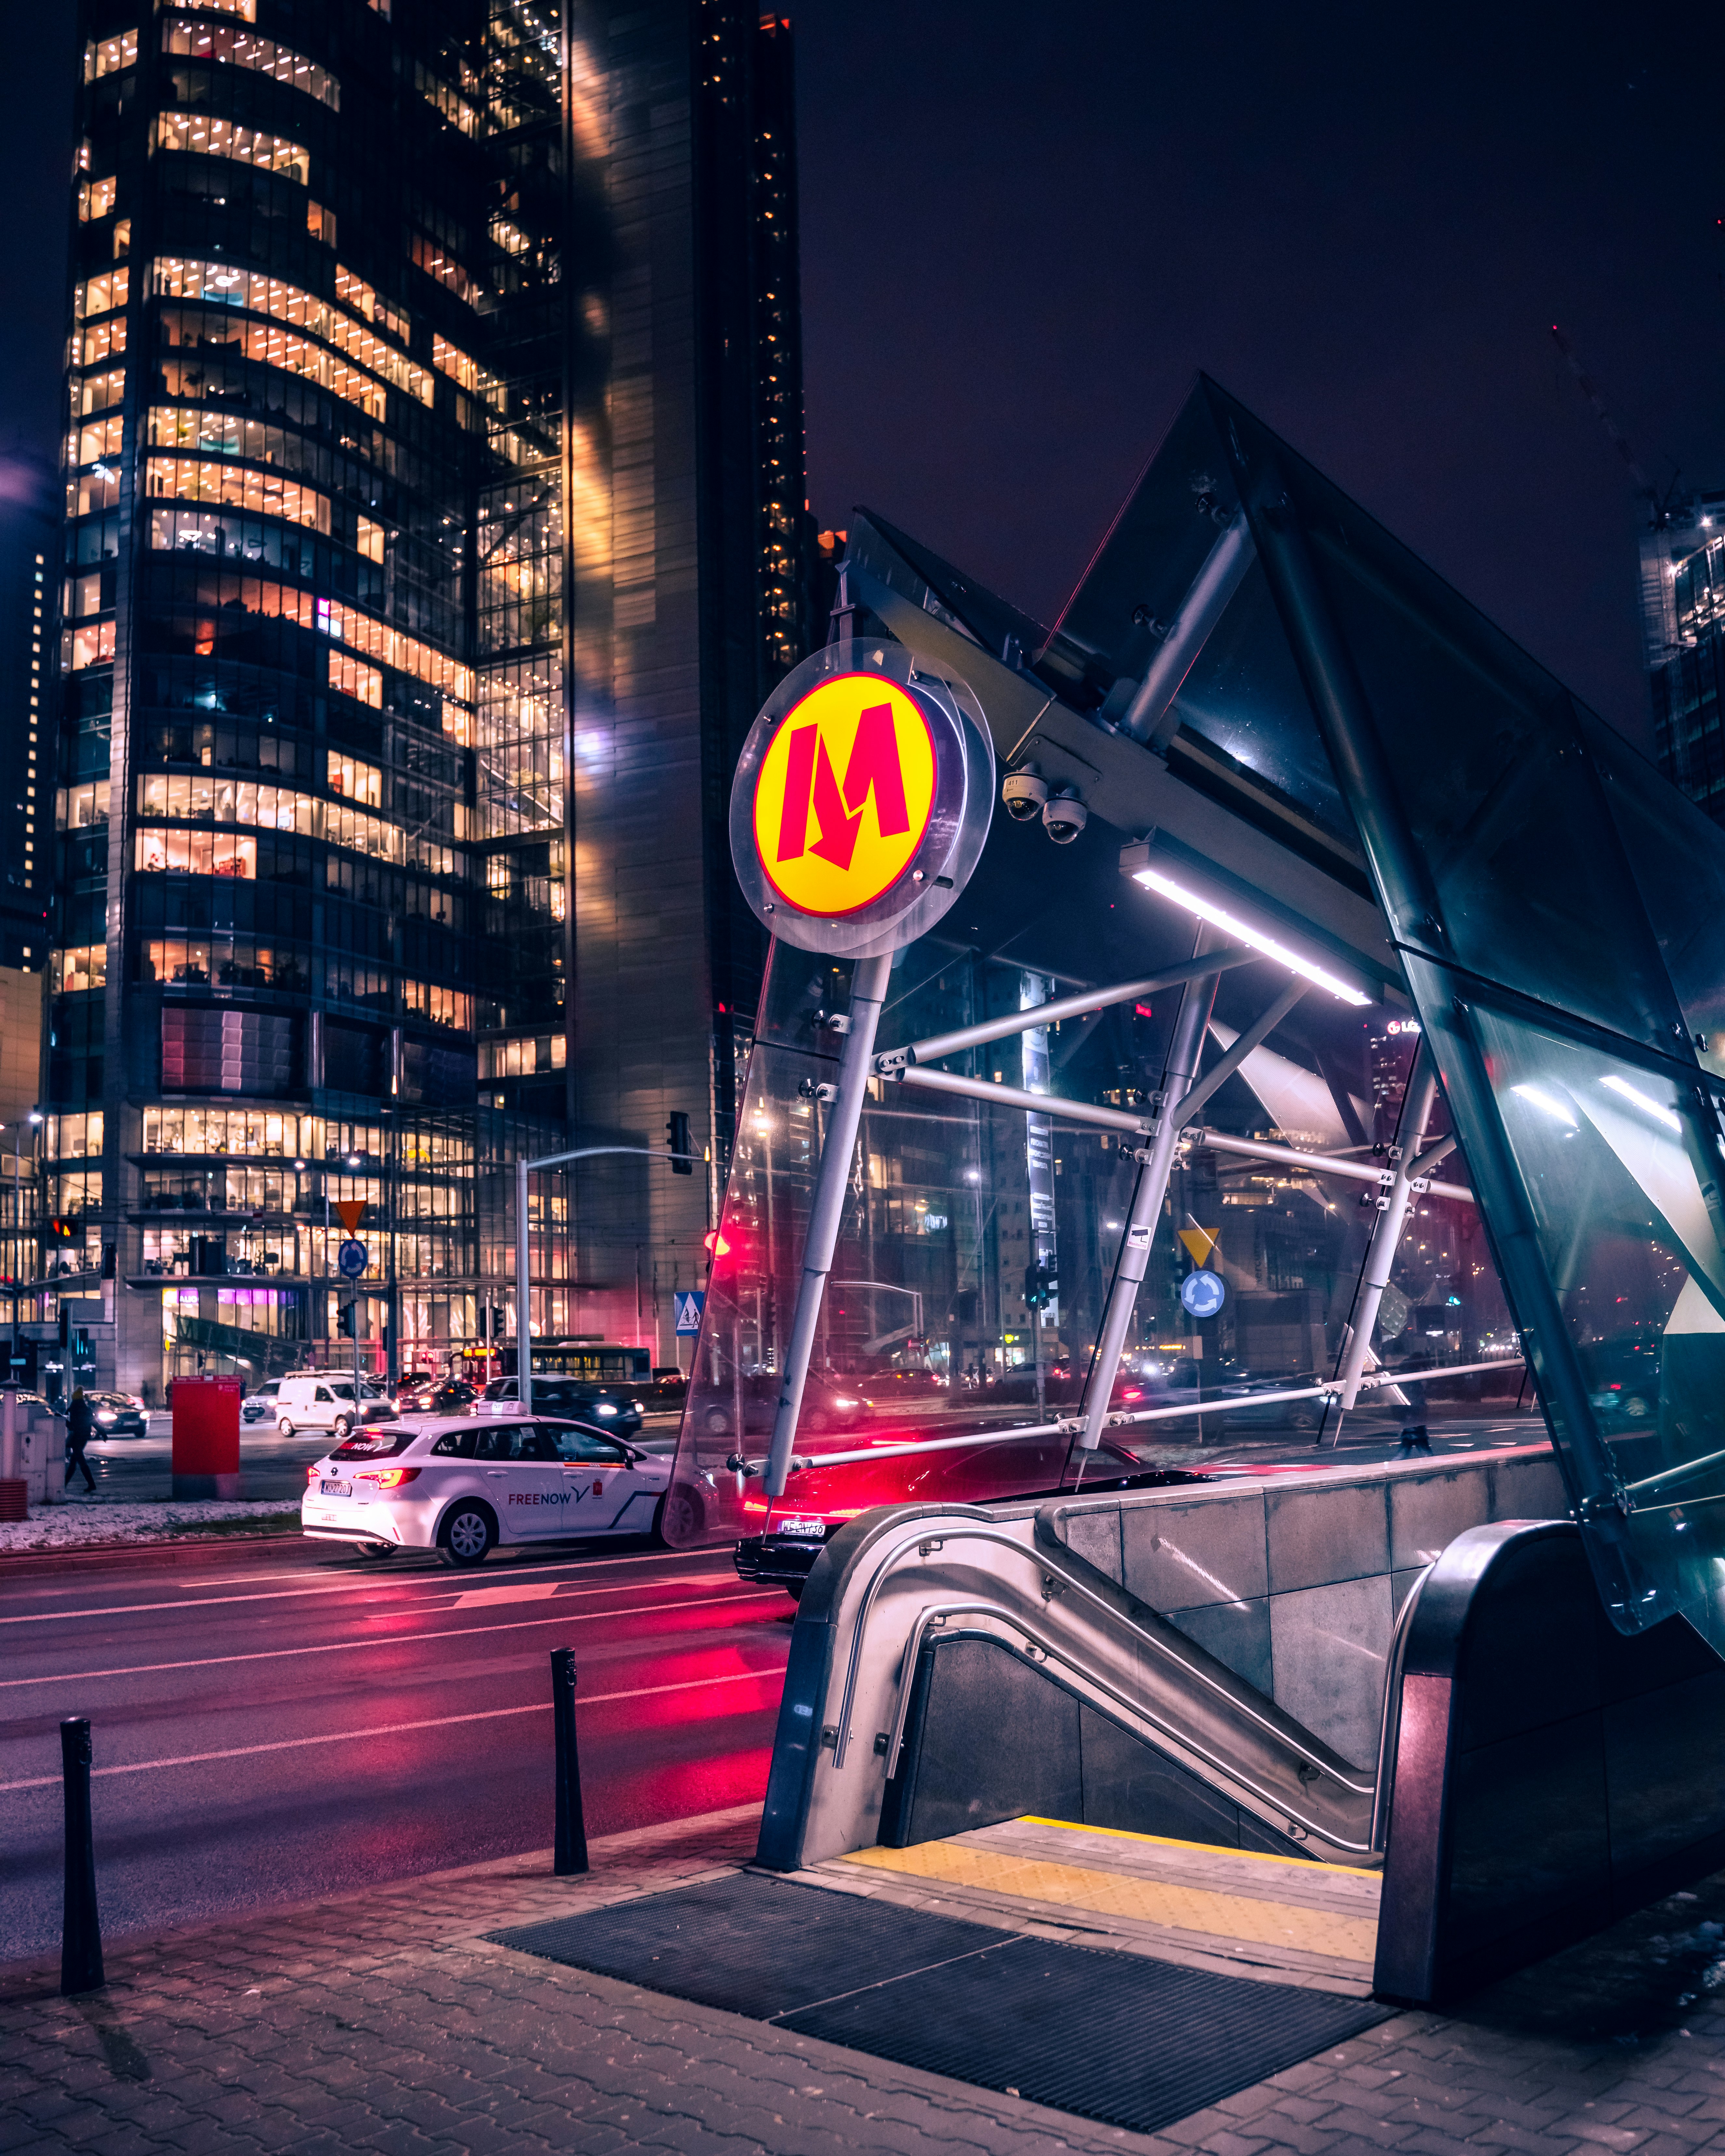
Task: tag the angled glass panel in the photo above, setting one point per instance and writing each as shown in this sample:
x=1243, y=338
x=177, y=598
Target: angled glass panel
x=1465, y=763
x=1675, y=854
x=1176, y=602
x=1619, y=1166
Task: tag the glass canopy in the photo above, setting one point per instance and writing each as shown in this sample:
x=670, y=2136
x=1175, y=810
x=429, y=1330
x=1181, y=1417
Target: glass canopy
x=1254, y=670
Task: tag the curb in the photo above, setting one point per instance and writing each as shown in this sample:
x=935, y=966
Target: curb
x=140, y=1545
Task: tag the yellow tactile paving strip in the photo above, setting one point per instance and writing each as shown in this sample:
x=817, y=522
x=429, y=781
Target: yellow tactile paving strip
x=1195, y=1909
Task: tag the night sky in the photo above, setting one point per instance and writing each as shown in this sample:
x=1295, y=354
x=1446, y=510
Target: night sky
x=1025, y=228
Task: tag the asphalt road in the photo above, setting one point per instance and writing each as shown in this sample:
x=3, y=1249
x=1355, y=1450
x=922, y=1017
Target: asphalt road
x=284, y=1722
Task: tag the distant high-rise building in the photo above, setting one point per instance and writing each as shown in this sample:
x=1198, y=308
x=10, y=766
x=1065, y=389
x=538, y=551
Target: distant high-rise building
x=434, y=527
x=29, y=534
x=1683, y=626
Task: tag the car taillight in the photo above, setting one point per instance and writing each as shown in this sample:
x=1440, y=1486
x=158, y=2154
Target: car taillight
x=312, y=1473
x=392, y=1478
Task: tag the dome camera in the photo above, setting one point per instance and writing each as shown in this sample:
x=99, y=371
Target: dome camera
x=1063, y=817
x=1024, y=792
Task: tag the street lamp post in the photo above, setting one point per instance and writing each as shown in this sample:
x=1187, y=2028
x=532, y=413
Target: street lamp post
x=523, y=1289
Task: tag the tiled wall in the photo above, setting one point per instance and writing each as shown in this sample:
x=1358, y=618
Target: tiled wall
x=1296, y=1587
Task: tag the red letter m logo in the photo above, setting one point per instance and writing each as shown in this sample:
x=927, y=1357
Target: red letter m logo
x=811, y=783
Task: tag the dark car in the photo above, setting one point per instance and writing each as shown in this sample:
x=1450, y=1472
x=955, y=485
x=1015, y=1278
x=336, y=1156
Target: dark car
x=117, y=1415
x=828, y=1403
x=667, y=1390
x=1036, y=1467
x=615, y=1412
x=431, y=1395
x=1624, y=1382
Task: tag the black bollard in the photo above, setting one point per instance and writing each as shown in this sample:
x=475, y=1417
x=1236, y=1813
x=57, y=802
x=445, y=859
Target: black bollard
x=81, y=1935
x=569, y=1852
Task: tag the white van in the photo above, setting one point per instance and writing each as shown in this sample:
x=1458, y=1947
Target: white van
x=319, y=1400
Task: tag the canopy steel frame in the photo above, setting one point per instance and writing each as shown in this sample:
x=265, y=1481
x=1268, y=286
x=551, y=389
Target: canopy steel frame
x=869, y=984
x=1132, y=1259
x=893, y=1059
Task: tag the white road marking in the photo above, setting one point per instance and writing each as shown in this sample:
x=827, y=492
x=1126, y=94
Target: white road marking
x=398, y=1639
x=388, y=1729
x=583, y=1563
x=539, y=1565
x=443, y=1586
x=527, y=1590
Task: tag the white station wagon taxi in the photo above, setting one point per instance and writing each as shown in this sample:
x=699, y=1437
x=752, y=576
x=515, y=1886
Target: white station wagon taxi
x=458, y=1485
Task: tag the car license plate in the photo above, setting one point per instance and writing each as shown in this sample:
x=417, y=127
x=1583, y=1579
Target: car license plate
x=815, y=1530
x=329, y=1489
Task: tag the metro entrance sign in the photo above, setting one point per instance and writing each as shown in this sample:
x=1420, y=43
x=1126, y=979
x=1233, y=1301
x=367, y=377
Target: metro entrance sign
x=861, y=801
x=858, y=814
x=833, y=845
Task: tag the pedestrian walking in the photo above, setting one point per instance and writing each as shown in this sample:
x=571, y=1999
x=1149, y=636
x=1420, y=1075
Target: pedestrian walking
x=78, y=1422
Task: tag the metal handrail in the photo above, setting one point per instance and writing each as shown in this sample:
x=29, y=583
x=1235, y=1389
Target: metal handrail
x=1389, y=1723
x=1070, y=1426
x=1050, y=1569
x=1272, y=1800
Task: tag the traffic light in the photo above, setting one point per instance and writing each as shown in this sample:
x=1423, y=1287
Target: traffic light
x=677, y=1129
x=344, y=1320
x=61, y=1230
x=65, y=1325
x=1040, y=1285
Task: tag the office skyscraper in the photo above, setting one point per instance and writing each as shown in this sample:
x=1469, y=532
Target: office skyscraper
x=1683, y=615
x=434, y=525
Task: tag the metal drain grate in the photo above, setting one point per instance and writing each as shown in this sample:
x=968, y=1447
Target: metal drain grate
x=1116, y=2037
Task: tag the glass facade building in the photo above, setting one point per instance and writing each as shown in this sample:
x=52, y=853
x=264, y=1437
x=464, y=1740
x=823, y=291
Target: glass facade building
x=1683, y=626
x=367, y=507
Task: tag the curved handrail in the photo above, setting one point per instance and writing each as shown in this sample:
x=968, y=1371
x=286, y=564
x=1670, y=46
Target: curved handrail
x=1274, y=1801
x=1049, y=1567
x=1389, y=1723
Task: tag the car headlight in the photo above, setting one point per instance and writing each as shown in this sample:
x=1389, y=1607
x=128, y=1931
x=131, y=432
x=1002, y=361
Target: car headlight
x=105, y=1414
x=604, y=1407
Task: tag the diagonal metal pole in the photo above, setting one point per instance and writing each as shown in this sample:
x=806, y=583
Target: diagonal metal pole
x=1185, y=1052
x=1380, y=1252
x=868, y=992
x=1255, y=1035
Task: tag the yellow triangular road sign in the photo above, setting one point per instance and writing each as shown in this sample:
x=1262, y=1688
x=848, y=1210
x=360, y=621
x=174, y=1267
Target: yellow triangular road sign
x=352, y=1211
x=1199, y=1242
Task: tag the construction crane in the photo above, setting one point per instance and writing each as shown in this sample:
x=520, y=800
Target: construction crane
x=1659, y=507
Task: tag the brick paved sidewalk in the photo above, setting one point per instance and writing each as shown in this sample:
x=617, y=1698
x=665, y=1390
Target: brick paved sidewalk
x=384, y=2022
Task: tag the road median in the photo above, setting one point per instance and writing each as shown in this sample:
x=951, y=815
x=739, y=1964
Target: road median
x=92, y=1523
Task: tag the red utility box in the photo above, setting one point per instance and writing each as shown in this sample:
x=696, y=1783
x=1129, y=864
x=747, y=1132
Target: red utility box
x=206, y=1440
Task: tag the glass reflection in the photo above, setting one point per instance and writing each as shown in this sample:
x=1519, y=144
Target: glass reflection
x=1620, y=1165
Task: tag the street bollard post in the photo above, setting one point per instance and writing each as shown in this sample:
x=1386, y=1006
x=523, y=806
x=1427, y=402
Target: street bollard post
x=569, y=1850
x=81, y=1933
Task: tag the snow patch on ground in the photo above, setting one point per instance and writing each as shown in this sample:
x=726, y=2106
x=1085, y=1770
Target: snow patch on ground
x=79, y=1521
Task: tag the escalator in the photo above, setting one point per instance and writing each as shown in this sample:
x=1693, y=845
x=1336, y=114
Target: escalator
x=928, y=1644
x=1528, y=1773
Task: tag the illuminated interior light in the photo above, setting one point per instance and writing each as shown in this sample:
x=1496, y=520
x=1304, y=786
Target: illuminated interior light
x=1538, y=1097
x=1647, y=1106
x=1244, y=932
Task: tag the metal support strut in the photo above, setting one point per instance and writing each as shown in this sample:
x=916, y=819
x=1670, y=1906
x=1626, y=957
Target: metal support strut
x=868, y=992
x=1185, y=1053
x=1380, y=1255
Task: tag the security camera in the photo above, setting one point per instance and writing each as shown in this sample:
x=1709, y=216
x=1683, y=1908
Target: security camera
x=1024, y=792
x=1063, y=817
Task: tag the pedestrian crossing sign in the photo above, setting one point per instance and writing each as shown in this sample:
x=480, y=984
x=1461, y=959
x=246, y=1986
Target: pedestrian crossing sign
x=688, y=1305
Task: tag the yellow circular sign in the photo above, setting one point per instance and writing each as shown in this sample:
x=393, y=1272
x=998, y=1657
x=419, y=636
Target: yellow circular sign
x=844, y=795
